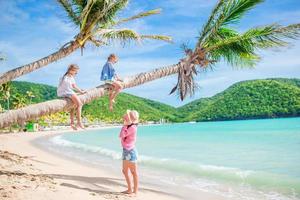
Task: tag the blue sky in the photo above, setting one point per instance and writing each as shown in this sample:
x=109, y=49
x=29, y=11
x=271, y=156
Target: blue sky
x=32, y=29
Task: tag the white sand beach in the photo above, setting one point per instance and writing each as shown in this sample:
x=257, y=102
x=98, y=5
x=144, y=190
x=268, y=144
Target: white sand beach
x=28, y=172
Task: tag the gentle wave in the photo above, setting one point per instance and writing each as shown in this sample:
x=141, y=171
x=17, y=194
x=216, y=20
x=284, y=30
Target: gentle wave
x=218, y=173
x=95, y=149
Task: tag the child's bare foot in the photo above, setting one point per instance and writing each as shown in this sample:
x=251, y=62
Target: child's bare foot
x=73, y=127
x=133, y=194
x=127, y=192
x=80, y=125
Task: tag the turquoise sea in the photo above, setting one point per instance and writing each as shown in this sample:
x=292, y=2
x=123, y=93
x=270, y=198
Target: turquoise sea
x=249, y=159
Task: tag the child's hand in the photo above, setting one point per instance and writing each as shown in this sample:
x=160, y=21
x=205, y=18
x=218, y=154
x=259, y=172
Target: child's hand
x=126, y=120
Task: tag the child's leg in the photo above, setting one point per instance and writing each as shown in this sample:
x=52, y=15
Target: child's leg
x=78, y=105
x=110, y=96
x=133, y=170
x=125, y=171
x=110, y=93
x=117, y=88
x=72, y=119
x=117, y=85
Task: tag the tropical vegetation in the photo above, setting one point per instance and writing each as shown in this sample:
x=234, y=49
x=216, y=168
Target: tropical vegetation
x=266, y=98
x=269, y=98
x=218, y=41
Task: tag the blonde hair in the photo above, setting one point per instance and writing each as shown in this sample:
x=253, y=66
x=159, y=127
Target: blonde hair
x=111, y=56
x=71, y=67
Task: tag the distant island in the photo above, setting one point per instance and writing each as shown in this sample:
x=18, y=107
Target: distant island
x=253, y=99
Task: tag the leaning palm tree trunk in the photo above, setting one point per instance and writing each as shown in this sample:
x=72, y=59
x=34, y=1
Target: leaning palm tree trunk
x=49, y=107
x=17, y=72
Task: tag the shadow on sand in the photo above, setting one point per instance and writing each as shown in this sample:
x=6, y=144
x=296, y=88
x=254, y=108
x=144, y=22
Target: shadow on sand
x=98, y=185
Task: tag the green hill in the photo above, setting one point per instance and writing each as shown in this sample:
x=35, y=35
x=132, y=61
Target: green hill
x=267, y=98
x=149, y=110
x=247, y=100
x=41, y=92
x=98, y=109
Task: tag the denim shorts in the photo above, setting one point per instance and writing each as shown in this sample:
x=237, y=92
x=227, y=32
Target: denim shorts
x=110, y=81
x=130, y=155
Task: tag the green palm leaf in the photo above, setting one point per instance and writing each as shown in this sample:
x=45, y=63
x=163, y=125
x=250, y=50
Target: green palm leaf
x=217, y=42
x=97, y=19
x=211, y=21
x=107, y=15
x=239, y=49
x=69, y=9
x=126, y=35
x=138, y=16
x=236, y=9
x=80, y=4
x=225, y=13
x=85, y=13
x=157, y=37
x=261, y=37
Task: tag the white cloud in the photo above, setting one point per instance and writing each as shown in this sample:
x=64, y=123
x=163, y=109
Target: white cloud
x=10, y=13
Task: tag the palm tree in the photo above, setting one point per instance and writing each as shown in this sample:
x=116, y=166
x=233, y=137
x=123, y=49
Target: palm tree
x=97, y=23
x=216, y=42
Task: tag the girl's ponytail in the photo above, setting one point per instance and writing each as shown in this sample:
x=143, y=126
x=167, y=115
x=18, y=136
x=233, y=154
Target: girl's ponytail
x=71, y=67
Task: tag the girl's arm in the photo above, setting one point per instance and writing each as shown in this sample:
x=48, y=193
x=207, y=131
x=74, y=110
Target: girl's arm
x=124, y=132
x=118, y=78
x=127, y=131
x=78, y=89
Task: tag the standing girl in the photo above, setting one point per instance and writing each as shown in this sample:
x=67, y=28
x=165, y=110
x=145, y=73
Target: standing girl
x=128, y=136
x=109, y=75
x=66, y=89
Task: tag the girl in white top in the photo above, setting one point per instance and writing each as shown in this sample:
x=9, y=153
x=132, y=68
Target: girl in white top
x=66, y=89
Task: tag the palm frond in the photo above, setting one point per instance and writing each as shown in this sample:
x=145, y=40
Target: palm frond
x=78, y=6
x=69, y=9
x=230, y=11
x=236, y=9
x=138, y=16
x=126, y=35
x=123, y=35
x=222, y=34
x=291, y=31
x=262, y=37
x=80, y=3
x=98, y=18
x=157, y=37
x=235, y=57
x=85, y=13
x=237, y=54
x=210, y=23
x=107, y=15
x=186, y=84
x=239, y=50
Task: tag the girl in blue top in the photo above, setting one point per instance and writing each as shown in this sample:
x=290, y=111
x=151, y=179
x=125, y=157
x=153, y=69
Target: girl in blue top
x=109, y=75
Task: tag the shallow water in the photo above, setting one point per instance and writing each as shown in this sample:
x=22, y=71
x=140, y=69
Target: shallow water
x=250, y=159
